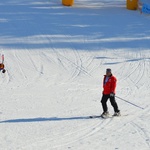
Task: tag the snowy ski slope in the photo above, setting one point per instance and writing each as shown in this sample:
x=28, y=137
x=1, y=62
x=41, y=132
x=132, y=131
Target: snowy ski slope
x=55, y=58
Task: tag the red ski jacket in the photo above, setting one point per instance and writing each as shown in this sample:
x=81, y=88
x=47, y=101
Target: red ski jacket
x=110, y=85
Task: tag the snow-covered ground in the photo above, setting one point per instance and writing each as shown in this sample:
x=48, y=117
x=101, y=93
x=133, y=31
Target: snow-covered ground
x=55, y=58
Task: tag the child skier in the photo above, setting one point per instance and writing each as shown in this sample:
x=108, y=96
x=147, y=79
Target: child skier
x=2, y=66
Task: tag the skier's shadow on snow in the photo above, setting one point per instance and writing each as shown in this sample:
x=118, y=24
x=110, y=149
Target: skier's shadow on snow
x=27, y=120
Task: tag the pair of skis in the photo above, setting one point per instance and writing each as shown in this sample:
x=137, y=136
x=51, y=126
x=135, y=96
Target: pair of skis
x=92, y=117
x=109, y=116
x=105, y=117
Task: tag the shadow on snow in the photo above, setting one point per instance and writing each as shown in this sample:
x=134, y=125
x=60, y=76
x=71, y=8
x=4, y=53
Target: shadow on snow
x=43, y=119
x=88, y=26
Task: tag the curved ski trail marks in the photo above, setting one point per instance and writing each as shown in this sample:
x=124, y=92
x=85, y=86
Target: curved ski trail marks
x=20, y=68
x=142, y=133
x=68, y=138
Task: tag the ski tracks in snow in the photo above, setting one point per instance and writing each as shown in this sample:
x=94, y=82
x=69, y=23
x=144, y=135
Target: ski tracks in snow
x=66, y=63
x=69, y=59
x=69, y=137
x=83, y=134
x=142, y=133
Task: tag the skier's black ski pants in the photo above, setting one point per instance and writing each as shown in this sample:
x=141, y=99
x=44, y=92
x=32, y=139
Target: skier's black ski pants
x=112, y=101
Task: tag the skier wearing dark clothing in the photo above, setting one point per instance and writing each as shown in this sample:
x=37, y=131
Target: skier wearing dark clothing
x=2, y=66
x=109, y=86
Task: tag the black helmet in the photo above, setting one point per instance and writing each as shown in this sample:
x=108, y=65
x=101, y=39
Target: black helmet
x=108, y=70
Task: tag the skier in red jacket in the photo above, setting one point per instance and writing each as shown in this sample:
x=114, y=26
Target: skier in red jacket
x=109, y=86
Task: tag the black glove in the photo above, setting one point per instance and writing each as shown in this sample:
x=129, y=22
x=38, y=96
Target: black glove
x=3, y=71
x=112, y=94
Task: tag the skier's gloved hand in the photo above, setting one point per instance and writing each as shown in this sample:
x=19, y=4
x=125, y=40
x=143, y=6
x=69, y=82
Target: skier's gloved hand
x=112, y=94
x=3, y=71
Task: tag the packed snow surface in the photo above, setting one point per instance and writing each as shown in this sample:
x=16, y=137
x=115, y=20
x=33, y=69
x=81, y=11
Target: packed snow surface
x=55, y=57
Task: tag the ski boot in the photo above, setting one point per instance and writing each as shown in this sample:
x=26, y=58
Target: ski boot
x=117, y=114
x=105, y=114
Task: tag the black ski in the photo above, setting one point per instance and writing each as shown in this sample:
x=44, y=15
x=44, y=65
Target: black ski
x=95, y=116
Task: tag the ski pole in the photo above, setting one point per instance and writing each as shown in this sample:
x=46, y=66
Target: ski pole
x=129, y=102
